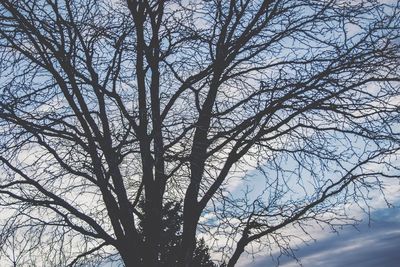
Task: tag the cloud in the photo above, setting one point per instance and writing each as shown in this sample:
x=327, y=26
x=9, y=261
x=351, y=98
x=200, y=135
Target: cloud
x=367, y=246
x=378, y=249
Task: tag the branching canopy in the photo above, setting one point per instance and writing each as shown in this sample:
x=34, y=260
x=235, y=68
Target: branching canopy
x=260, y=115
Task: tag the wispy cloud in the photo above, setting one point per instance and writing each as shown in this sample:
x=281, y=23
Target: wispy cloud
x=367, y=246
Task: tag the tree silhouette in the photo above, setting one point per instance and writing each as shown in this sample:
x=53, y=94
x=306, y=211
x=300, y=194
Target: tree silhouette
x=171, y=238
x=261, y=115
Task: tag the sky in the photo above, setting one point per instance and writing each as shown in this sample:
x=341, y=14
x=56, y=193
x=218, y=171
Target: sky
x=373, y=245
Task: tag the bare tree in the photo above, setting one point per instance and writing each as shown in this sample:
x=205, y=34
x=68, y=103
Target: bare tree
x=259, y=114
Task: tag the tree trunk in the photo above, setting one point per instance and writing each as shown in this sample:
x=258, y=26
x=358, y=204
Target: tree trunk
x=152, y=229
x=190, y=220
x=130, y=256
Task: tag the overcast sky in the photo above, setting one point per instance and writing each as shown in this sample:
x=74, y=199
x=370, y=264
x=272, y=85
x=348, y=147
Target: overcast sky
x=369, y=246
